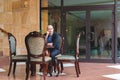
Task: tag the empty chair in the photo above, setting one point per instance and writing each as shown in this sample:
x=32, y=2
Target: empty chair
x=14, y=58
x=35, y=45
x=70, y=58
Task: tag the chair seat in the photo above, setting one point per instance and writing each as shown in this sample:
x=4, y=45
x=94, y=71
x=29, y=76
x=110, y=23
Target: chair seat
x=19, y=57
x=47, y=58
x=66, y=57
x=58, y=55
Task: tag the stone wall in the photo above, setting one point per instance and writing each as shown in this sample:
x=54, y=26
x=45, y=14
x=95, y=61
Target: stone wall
x=18, y=17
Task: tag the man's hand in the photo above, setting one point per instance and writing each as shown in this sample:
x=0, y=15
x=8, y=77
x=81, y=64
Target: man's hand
x=49, y=44
x=47, y=32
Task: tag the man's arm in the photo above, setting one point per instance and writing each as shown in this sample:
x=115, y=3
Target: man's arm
x=56, y=41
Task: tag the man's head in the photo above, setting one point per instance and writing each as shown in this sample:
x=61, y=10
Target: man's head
x=50, y=29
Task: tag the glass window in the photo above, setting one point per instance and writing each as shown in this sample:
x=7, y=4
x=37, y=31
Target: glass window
x=51, y=3
x=101, y=26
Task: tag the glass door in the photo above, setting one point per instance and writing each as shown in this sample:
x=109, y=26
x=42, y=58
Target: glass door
x=75, y=23
x=101, y=33
x=118, y=34
x=97, y=41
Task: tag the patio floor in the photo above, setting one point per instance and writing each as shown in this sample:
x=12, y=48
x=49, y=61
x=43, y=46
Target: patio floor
x=89, y=71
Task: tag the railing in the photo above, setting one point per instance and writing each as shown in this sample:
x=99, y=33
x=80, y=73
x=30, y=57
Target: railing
x=3, y=31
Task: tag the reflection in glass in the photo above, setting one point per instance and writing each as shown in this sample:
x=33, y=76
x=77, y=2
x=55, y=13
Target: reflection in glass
x=101, y=25
x=75, y=23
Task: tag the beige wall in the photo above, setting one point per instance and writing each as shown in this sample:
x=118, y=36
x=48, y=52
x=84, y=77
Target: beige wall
x=44, y=16
x=18, y=17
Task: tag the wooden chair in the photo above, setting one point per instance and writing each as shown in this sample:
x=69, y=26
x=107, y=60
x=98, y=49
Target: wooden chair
x=35, y=45
x=14, y=58
x=70, y=58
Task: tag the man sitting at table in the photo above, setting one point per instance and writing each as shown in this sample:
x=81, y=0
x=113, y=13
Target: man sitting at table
x=53, y=43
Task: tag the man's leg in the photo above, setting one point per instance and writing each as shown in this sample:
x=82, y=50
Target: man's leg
x=33, y=69
x=53, y=54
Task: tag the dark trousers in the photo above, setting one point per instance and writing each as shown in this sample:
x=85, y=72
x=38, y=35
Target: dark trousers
x=53, y=53
x=33, y=69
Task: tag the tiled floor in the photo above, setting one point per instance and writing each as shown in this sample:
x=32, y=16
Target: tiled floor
x=89, y=71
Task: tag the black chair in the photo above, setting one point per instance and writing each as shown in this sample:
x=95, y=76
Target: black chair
x=35, y=45
x=14, y=58
x=70, y=58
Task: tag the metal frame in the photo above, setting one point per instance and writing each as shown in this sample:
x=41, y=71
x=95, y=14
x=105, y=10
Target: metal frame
x=89, y=8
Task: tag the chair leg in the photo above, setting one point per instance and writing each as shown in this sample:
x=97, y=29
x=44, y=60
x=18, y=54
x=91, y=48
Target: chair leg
x=10, y=66
x=50, y=69
x=14, y=68
x=26, y=67
x=76, y=68
x=45, y=68
x=58, y=68
x=61, y=67
x=27, y=70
